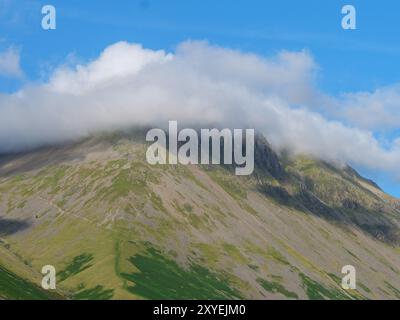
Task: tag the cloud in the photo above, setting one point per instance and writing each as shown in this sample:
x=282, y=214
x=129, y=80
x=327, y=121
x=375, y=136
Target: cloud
x=118, y=62
x=377, y=110
x=200, y=86
x=10, y=63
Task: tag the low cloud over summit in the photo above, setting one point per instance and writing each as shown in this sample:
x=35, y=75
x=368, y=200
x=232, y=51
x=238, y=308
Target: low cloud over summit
x=199, y=85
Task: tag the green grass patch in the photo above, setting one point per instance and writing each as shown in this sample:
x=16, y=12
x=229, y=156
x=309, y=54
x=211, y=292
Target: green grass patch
x=316, y=291
x=77, y=265
x=160, y=277
x=276, y=287
x=96, y=293
x=13, y=287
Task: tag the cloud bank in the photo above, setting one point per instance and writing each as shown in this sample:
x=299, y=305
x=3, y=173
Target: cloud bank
x=198, y=85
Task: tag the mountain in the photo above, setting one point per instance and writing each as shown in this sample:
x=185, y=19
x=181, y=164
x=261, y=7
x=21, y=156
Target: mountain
x=115, y=227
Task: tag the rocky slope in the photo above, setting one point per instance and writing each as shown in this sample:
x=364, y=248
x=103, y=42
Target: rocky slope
x=117, y=228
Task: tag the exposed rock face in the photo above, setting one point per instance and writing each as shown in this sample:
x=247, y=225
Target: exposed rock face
x=266, y=160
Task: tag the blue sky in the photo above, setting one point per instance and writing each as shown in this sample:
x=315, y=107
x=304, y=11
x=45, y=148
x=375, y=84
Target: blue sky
x=349, y=61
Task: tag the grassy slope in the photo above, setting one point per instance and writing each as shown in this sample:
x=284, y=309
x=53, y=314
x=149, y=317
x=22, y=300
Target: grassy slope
x=15, y=284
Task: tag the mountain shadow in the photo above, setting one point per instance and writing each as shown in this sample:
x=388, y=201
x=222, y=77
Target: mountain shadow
x=11, y=226
x=349, y=214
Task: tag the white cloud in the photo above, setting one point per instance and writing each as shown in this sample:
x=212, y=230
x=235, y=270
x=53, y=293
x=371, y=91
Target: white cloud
x=117, y=62
x=198, y=85
x=377, y=110
x=10, y=63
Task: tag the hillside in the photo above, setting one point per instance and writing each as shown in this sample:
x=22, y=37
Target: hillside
x=117, y=228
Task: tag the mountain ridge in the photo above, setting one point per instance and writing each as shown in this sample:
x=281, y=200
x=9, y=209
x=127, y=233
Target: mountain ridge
x=103, y=216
